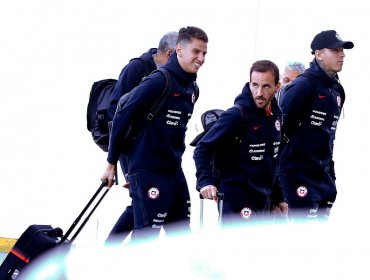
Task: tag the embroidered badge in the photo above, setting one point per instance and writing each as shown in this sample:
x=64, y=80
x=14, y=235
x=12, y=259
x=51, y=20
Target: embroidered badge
x=153, y=193
x=302, y=191
x=277, y=125
x=246, y=213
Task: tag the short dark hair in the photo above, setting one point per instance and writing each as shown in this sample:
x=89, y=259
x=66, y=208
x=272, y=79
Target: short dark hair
x=186, y=34
x=265, y=66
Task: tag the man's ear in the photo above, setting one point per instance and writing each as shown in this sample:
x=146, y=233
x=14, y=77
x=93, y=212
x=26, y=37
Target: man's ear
x=278, y=86
x=168, y=53
x=179, y=50
x=318, y=54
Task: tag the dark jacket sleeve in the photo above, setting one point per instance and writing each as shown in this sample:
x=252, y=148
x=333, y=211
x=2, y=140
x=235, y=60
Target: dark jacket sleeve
x=295, y=104
x=225, y=128
x=142, y=99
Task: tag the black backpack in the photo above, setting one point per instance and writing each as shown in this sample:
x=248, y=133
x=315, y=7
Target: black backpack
x=98, y=122
x=97, y=109
x=208, y=119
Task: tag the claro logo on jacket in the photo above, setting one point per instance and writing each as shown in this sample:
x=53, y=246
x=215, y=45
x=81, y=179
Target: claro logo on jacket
x=173, y=117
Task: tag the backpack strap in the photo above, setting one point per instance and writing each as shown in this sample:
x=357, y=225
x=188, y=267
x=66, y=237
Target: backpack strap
x=243, y=125
x=147, y=69
x=163, y=97
x=243, y=112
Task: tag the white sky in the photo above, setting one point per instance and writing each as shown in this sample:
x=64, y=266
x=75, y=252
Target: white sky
x=52, y=51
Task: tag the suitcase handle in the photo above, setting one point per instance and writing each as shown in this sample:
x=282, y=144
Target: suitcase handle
x=220, y=204
x=220, y=207
x=75, y=223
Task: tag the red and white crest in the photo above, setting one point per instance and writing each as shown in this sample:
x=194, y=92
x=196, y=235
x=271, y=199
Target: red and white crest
x=246, y=213
x=277, y=125
x=302, y=191
x=153, y=193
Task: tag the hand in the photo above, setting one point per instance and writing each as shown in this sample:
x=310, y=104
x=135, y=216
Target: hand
x=126, y=185
x=281, y=209
x=209, y=192
x=109, y=174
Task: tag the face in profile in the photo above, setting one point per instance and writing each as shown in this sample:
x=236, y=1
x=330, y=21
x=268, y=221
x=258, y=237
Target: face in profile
x=191, y=55
x=332, y=59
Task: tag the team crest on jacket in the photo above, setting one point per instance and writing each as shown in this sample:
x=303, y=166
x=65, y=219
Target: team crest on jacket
x=246, y=213
x=339, y=101
x=277, y=125
x=153, y=193
x=302, y=191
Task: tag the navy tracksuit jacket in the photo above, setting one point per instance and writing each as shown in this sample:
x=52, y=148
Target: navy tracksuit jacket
x=248, y=167
x=157, y=183
x=312, y=108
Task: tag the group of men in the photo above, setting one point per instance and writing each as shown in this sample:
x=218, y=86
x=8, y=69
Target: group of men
x=272, y=160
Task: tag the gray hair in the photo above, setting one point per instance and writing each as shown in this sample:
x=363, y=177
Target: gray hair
x=296, y=66
x=168, y=42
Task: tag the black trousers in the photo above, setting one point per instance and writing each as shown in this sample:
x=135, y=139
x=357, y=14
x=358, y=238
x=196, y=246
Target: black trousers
x=310, y=197
x=159, y=200
x=123, y=226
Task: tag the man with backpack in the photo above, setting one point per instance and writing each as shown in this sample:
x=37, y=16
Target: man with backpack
x=312, y=105
x=244, y=144
x=131, y=75
x=158, y=188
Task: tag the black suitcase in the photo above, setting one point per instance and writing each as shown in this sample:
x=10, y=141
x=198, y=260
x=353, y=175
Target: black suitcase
x=220, y=203
x=37, y=239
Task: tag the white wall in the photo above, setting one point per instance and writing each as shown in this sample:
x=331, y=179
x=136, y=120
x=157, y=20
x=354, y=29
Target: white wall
x=52, y=51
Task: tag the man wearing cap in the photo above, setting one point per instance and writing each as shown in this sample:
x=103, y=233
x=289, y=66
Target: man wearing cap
x=245, y=142
x=312, y=106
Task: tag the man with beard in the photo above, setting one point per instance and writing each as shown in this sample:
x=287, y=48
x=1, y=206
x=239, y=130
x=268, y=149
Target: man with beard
x=244, y=144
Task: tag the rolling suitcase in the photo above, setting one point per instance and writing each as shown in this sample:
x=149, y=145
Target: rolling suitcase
x=37, y=239
x=220, y=203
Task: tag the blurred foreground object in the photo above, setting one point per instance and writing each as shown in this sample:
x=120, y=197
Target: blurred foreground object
x=296, y=251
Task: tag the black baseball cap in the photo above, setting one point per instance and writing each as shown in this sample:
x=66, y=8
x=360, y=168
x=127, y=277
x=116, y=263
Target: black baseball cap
x=208, y=119
x=329, y=39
